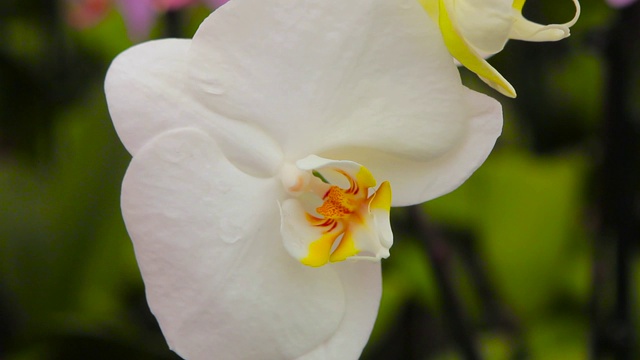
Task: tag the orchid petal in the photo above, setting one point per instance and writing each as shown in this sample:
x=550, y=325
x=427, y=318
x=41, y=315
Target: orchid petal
x=374, y=77
x=475, y=30
x=359, y=278
x=468, y=56
x=414, y=181
x=485, y=24
x=143, y=88
x=524, y=29
x=432, y=8
x=221, y=285
x=145, y=92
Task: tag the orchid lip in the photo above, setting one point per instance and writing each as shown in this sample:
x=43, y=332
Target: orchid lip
x=334, y=213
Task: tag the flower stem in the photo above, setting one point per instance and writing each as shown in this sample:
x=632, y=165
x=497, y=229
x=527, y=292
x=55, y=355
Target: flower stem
x=496, y=315
x=174, y=26
x=619, y=180
x=440, y=256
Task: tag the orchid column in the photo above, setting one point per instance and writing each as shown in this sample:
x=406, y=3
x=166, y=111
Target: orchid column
x=265, y=154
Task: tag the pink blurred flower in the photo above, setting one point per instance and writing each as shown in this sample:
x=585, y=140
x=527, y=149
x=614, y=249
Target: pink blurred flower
x=177, y=4
x=139, y=15
x=82, y=14
x=620, y=3
x=172, y=4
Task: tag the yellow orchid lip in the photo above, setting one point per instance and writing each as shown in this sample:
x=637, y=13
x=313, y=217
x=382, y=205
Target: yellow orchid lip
x=352, y=222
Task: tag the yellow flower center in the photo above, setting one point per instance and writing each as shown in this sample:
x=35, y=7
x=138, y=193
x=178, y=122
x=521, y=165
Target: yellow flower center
x=340, y=203
x=349, y=223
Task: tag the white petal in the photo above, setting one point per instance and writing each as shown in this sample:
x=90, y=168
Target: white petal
x=524, y=29
x=145, y=93
x=221, y=285
x=413, y=181
x=318, y=75
x=363, y=280
x=484, y=24
x=144, y=90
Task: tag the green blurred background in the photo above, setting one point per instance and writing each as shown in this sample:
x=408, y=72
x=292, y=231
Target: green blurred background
x=521, y=262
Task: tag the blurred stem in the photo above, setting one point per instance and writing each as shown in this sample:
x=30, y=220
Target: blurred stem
x=619, y=183
x=497, y=315
x=440, y=257
x=173, y=22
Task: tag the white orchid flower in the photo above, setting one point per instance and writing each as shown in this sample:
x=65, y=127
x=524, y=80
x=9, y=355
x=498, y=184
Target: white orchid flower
x=476, y=29
x=256, y=151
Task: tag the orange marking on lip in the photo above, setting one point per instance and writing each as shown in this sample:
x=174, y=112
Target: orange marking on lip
x=337, y=204
x=343, y=212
